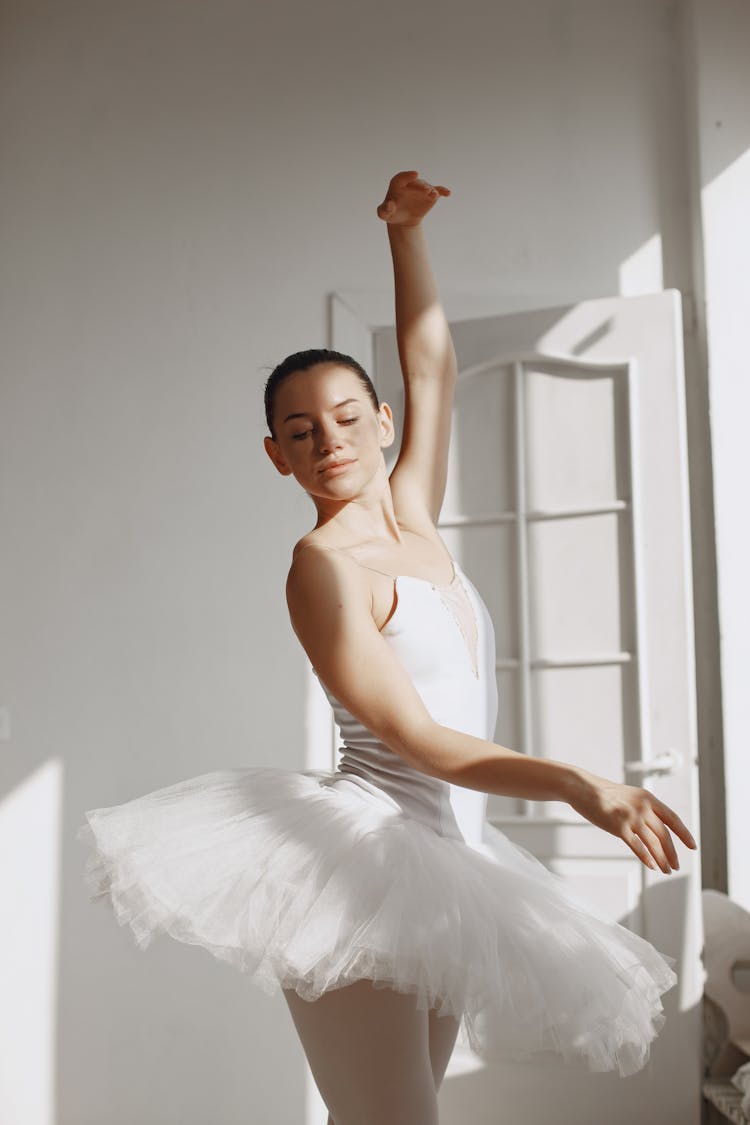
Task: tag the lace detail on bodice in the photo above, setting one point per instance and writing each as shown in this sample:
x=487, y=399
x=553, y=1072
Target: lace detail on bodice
x=456, y=600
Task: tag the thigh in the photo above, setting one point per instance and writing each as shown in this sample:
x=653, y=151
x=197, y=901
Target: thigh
x=368, y=1050
x=442, y=1035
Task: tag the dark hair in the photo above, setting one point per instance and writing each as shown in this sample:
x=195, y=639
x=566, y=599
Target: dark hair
x=301, y=361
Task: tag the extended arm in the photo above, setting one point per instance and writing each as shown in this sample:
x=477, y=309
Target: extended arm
x=329, y=604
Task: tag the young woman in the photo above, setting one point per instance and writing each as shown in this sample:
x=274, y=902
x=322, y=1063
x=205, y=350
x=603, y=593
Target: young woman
x=365, y=893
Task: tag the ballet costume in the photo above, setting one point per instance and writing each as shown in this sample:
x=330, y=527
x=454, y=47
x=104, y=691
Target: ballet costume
x=314, y=879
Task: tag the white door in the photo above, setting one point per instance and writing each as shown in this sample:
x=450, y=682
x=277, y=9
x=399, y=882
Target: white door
x=567, y=505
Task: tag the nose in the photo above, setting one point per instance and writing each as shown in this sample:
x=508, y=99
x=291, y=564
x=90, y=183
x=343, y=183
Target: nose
x=328, y=439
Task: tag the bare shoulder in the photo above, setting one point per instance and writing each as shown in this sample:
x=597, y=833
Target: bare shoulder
x=311, y=539
x=311, y=555
x=321, y=583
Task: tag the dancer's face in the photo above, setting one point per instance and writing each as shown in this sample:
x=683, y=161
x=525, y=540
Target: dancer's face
x=324, y=415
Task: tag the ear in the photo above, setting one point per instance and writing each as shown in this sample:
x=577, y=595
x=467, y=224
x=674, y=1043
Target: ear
x=387, y=427
x=274, y=452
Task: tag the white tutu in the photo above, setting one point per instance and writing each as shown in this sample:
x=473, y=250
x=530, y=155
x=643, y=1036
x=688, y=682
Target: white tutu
x=305, y=885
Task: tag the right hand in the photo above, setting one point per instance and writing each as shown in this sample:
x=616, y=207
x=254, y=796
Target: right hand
x=635, y=815
x=408, y=199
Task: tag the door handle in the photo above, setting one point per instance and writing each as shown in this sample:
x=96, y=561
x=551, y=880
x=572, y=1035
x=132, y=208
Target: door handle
x=664, y=763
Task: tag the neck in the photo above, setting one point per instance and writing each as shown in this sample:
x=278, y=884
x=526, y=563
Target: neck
x=370, y=516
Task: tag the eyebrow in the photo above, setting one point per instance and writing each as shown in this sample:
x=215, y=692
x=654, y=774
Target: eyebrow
x=304, y=414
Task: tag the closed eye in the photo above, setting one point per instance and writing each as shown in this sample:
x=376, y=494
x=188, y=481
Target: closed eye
x=344, y=422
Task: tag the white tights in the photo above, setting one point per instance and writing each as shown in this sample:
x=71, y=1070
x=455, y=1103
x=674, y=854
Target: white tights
x=376, y=1059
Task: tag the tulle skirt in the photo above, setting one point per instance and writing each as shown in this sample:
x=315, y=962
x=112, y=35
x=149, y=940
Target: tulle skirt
x=309, y=885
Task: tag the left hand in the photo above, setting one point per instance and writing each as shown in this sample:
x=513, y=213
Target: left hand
x=634, y=814
x=408, y=199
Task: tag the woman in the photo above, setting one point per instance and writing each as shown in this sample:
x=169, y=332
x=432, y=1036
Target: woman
x=363, y=892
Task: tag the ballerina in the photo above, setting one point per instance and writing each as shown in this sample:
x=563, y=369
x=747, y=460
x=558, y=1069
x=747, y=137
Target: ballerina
x=363, y=893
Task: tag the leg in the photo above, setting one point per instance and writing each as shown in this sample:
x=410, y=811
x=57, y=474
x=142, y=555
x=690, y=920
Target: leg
x=368, y=1050
x=443, y=1031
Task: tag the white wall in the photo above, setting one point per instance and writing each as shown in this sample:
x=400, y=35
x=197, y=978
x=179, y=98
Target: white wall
x=721, y=98
x=184, y=184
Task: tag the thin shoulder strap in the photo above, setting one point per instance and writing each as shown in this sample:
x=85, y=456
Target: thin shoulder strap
x=338, y=551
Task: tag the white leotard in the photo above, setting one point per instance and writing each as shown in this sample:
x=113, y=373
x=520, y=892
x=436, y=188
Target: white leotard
x=444, y=637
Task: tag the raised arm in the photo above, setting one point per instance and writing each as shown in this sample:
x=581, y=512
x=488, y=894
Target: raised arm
x=425, y=348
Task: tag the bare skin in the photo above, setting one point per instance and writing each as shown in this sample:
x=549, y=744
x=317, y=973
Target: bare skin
x=337, y=608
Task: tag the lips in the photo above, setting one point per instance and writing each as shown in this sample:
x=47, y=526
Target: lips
x=336, y=465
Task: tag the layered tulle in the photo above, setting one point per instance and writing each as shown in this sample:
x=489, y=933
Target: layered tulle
x=306, y=885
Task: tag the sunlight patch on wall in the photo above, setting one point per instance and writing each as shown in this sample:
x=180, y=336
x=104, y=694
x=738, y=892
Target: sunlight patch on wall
x=643, y=271
x=726, y=247
x=727, y=235
x=315, y=1108
x=29, y=880
x=462, y=1062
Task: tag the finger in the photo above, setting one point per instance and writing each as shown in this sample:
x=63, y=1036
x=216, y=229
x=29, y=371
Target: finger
x=639, y=849
x=652, y=842
x=442, y=190
x=667, y=843
x=670, y=818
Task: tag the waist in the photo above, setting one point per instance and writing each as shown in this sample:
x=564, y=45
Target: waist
x=385, y=777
